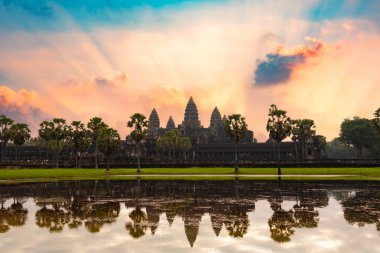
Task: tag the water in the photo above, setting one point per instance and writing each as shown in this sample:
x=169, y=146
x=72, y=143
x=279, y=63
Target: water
x=190, y=216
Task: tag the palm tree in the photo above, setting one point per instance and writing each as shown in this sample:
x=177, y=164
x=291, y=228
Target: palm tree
x=54, y=133
x=20, y=133
x=307, y=131
x=236, y=128
x=96, y=124
x=140, y=124
x=45, y=133
x=5, y=135
x=296, y=134
x=174, y=142
x=109, y=143
x=279, y=127
x=80, y=139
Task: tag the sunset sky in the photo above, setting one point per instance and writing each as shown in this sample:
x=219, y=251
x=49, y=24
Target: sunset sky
x=317, y=59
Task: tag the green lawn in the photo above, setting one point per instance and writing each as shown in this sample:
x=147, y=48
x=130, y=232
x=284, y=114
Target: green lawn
x=50, y=174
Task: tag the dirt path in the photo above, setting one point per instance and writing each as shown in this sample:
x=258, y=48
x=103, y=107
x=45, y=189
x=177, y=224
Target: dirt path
x=229, y=175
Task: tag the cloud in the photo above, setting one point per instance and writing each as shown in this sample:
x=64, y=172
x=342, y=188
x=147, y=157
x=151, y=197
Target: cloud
x=22, y=106
x=277, y=68
x=163, y=59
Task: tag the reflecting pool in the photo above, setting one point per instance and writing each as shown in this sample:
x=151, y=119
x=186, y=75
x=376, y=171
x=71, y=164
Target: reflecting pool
x=190, y=216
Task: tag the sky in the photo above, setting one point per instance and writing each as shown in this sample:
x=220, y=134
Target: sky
x=316, y=59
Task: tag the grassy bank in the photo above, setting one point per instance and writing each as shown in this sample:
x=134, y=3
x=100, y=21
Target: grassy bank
x=170, y=173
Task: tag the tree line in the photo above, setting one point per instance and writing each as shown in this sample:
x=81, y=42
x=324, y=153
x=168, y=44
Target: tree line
x=98, y=138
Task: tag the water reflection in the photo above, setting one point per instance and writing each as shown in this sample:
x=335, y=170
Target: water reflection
x=362, y=208
x=13, y=216
x=228, y=204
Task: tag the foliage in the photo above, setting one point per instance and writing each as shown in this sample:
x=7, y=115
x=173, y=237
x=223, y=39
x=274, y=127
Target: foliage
x=139, y=123
x=360, y=133
x=236, y=128
x=173, y=141
x=302, y=130
x=55, y=134
x=80, y=138
x=319, y=144
x=5, y=134
x=109, y=143
x=279, y=126
x=20, y=133
x=95, y=125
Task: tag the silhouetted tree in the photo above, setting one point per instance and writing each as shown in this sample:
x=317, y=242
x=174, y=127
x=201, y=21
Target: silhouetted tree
x=96, y=124
x=236, y=128
x=55, y=134
x=172, y=141
x=108, y=143
x=20, y=133
x=360, y=133
x=5, y=134
x=140, y=125
x=279, y=127
x=80, y=139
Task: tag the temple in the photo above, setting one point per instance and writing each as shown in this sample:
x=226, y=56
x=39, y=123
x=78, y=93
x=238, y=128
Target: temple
x=210, y=144
x=191, y=127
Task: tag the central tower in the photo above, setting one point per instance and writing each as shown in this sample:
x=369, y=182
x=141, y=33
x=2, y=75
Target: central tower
x=191, y=118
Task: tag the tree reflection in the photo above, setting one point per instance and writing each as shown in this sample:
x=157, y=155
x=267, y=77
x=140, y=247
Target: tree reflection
x=281, y=225
x=55, y=214
x=302, y=215
x=13, y=216
x=53, y=218
x=100, y=214
x=237, y=222
x=362, y=208
x=138, y=227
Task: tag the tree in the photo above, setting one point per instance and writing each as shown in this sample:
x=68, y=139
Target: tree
x=46, y=133
x=279, y=127
x=20, y=133
x=319, y=144
x=108, y=143
x=5, y=135
x=80, y=139
x=96, y=124
x=54, y=133
x=307, y=131
x=173, y=142
x=236, y=128
x=296, y=134
x=140, y=125
x=360, y=133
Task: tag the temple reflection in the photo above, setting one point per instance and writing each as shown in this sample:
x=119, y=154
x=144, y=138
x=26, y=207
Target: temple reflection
x=94, y=204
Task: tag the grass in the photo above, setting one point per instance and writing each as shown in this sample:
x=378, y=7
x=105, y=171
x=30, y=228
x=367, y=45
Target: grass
x=194, y=173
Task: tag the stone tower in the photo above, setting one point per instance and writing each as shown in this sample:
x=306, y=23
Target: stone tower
x=170, y=124
x=154, y=122
x=216, y=119
x=191, y=118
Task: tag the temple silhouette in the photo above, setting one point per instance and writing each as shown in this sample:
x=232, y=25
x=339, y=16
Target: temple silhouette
x=211, y=144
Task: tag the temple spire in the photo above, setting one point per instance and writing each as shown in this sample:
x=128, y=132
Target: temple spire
x=216, y=119
x=191, y=118
x=170, y=124
x=154, y=122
